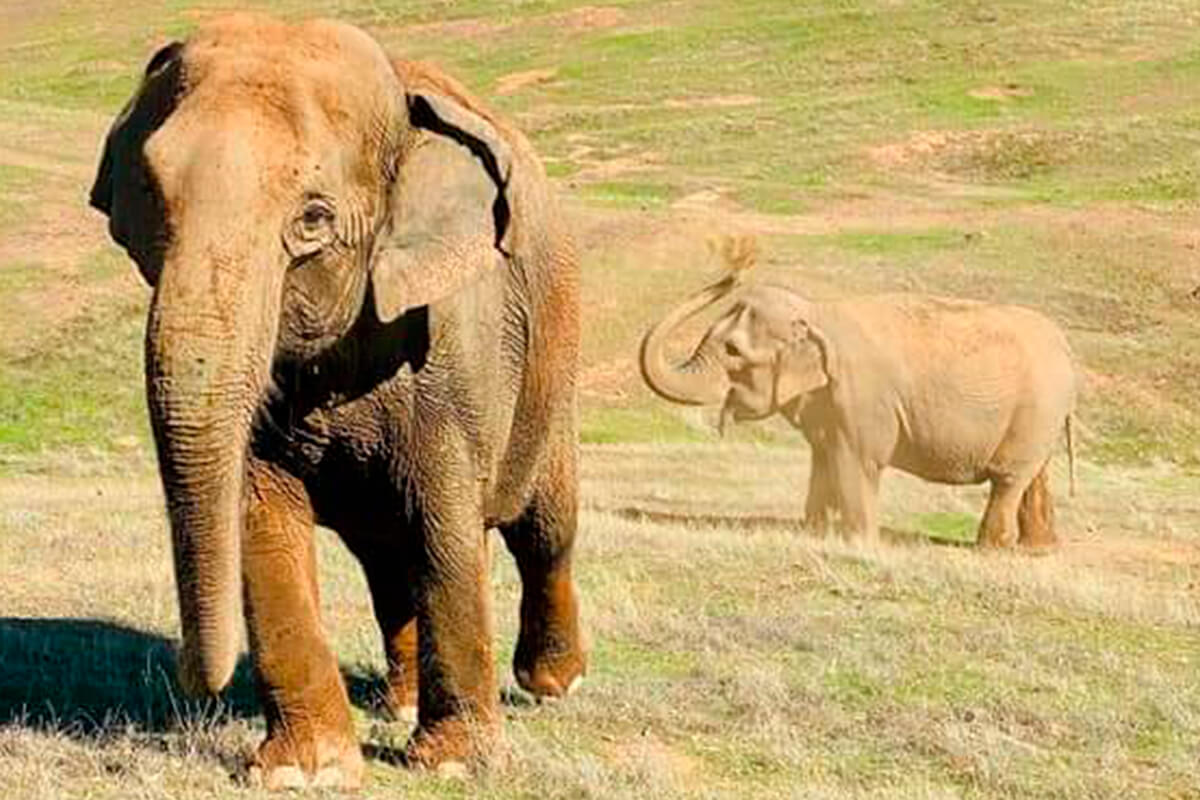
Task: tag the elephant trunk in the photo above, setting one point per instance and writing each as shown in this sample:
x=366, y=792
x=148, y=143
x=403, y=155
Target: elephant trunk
x=208, y=343
x=700, y=380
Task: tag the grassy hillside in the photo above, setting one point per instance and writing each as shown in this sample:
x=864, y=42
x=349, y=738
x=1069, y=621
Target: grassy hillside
x=1023, y=151
x=1017, y=151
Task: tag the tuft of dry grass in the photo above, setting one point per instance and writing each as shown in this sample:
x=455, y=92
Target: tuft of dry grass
x=738, y=253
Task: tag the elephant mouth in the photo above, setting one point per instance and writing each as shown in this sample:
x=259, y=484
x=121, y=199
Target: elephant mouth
x=736, y=408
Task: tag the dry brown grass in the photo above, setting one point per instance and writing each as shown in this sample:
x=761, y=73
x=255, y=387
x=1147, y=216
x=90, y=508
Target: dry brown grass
x=729, y=657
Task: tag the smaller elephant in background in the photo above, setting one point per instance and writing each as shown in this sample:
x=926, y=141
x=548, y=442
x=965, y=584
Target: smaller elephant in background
x=952, y=391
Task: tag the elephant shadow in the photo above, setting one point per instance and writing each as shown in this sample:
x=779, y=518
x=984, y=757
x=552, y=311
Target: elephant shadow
x=80, y=676
x=749, y=523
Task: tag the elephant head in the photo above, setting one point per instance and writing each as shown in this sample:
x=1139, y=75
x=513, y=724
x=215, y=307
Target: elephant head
x=766, y=354
x=276, y=184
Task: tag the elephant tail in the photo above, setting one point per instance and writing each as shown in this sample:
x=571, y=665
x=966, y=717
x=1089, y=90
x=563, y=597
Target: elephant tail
x=1068, y=428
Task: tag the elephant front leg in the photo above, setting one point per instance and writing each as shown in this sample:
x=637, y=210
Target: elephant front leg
x=550, y=658
x=458, y=721
x=310, y=736
x=819, y=505
x=856, y=482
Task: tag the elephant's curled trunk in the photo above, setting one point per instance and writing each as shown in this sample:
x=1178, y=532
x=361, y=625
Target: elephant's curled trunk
x=700, y=380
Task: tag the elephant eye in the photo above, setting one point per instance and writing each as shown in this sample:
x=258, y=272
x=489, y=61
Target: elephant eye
x=731, y=349
x=316, y=219
x=311, y=230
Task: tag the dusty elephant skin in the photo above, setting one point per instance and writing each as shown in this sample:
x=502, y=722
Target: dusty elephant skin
x=953, y=391
x=365, y=315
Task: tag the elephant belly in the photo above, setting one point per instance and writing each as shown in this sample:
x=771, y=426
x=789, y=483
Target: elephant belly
x=953, y=460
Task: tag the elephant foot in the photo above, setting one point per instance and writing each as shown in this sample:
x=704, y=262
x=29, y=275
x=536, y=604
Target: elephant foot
x=331, y=762
x=551, y=657
x=452, y=747
x=551, y=681
x=1037, y=537
x=401, y=700
x=1041, y=542
x=290, y=776
x=994, y=538
x=406, y=714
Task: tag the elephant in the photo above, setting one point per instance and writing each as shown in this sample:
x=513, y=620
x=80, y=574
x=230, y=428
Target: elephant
x=950, y=390
x=364, y=315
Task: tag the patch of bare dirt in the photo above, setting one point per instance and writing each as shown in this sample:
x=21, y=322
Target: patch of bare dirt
x=471, y=28
x=586, y=18
x=1112, y=550
x=41, y=163
x=648, y=754
x=1002, y=93
x=986, y=154
x=714, y=101
x=620, y=165
x=516, y=81
x=1155, y=562
x=60, y=235
x=18, y=18
x=605, y=164
x=58, y=239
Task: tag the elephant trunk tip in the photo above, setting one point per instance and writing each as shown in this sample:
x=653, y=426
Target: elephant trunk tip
x=205, y=677
x=700, y=380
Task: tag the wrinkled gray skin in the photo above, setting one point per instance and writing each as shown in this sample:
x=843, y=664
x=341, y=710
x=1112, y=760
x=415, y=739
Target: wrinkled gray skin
x=952, y=391
x=365, y=315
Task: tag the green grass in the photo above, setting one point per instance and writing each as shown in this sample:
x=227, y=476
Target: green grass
x=77, y=387
x=626, y=194
x=621, y=425
x=947, y=526
x=908, y=245
x=83, y=395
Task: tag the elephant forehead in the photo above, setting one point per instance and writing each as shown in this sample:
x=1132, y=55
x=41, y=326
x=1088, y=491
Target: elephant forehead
x=301, y=106
x=772, y=311
x=294, y=76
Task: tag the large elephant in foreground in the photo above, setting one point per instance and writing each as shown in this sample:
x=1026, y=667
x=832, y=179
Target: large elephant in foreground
x=365, y=315
x=953, y=391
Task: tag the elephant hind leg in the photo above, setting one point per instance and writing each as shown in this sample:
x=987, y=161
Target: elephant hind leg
x=999, y=527
x=392, y=584
x=1035, y=517
x=550, y=658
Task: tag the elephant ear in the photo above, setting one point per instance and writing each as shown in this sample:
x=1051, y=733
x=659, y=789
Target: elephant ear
x=450, y=208
x=803, y=365
x=123, y=189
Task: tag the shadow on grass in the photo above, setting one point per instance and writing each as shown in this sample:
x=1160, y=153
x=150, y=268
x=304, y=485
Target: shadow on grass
x=83, y=678
x=80, y=676
x=368, y=689
x=750, y=523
